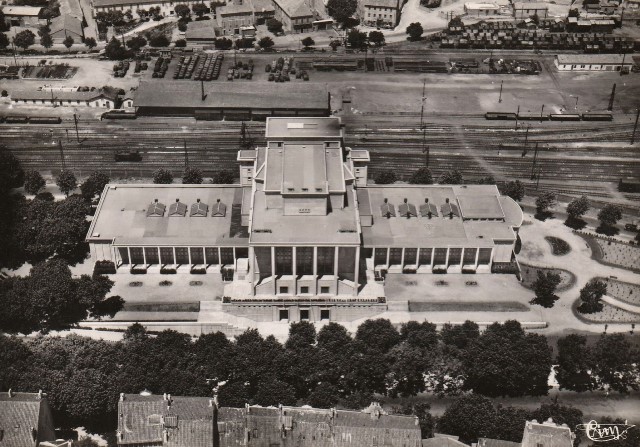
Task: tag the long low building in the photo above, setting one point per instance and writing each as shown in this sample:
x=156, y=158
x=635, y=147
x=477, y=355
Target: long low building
x=304, y=224
x=166, y=7
x=592, y=62
x=237, y=100
x=56, y=98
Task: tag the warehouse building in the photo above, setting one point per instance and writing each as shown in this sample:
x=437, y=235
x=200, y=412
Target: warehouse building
x=231, y=101
x=304, y=224
x=65, y=26
x=525, y=10
x=167, y=8
x=64, y=98
x=473, y=9
x=592, y=62
x=166, y=420
x=22, y=15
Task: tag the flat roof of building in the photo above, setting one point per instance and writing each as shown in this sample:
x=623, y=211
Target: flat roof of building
x=474, y=206
x=582, y=59
x=300, y=127
x=22, y=11
x=440, y=229
x=381, y=3
x=122, y=216
x=58, y=95
x=202, y=29
x=338, y=227
x=530, y=5
x=481, y=6
x=232, y=95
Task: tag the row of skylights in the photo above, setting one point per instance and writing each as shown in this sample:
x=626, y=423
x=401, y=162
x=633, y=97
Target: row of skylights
x=179, y=209
x=427, y=209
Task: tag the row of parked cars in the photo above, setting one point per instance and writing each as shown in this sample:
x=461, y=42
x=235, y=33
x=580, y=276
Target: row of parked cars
x=240, y=70
x=209, y=67
x=161, y=67
x=120, y=69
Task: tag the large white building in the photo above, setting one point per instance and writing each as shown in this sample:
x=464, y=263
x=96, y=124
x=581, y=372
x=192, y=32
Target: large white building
x=592, y=62
x=304, y=224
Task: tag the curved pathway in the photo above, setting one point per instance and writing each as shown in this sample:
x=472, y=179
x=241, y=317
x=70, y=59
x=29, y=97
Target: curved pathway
x=536, y=251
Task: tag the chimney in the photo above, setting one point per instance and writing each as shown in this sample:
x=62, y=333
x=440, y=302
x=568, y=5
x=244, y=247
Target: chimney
x=10, y=392
x=216, y=433
x=164, y=396
x=388, y=215
x=426, y=200
x=218, y=200
x=121, y=397
x=429, y=214
x=39, y=394
x=405, y=200
x=34, y=433
x=165, y=435
x=155, y=200
x=198, y=200
x=119, y=436
x=386, y=200
x=446, y=200
x=177, y=200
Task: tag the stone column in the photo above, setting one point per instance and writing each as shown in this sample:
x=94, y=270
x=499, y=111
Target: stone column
x=294, y=270
x=273, y=269
x=335, y=267
x=357, y=271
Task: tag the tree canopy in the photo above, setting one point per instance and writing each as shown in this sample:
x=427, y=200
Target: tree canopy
x=341, y=10
x=453, y=177
x=66, y=182
x=192, y=176
x=591, y=295
x=545, y=201
x=385, y=177
x=422, y=176
x=610, y=214
x=308, y=42
x=94, y=185
x=33, y=182
x=162, y=177
x=224, y=177
x=545, y=286
x=24, y=39
x=514, y=189
x=414, y=30
x=376, y=38
x=266, y=42
x=578, y=207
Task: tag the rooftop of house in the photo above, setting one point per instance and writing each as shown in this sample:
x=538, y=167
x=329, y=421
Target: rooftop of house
x=130, y=215
x=20, y=419
x=486, y=442
x=21, y=11
x=294, y=8
x=203, y=29
x=242, y=8
x=381, y=3
x=234, y=95
x=106, y=3
x=443, y=441
x=473, y=5
x=449, y=222
x=530, y=5
x=546, y=434
x=66, y=22
x=58, y=95
x=580, y=59
x=298, y=127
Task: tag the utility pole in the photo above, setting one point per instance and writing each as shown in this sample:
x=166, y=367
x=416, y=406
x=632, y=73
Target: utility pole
x=526, y=137
x=613, y=95
x=15, y=60
x=75, y=120
x=535, y=157
x=541, y=111
x=517, y=114
x=538, y=178
x=186, y=155
x=635, y=126
x=500, y=98
x=425, y=148
x=624, y=55
x=62, y=155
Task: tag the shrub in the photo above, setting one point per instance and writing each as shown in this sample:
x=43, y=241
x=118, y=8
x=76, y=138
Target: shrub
x=135, y=284
x=104, y=268
x=165, y=283
x=195, y=283
x=5, y=93
x=181, y=43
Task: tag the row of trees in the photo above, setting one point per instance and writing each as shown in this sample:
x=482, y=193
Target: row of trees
x=323, y=369
x=424, y=176
x=25, y=39
x=193, y=176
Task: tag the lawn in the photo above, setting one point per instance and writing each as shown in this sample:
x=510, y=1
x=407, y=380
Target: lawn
x=530, y=274
x=613, y=253
x=609, y=314
x=484, y=306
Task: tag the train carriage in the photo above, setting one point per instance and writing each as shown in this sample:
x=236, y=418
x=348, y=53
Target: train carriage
x=500, y=116
x=45, y=120
x=597, y=117
x=565, y=117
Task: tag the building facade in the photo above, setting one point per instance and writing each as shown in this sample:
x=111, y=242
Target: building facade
x=379, y=12
x=198, y=422
x=62, y=98
x=525, y=10
x=239, y=15
x=592, y=62
x=304, y=226
x=22, y=16
x=296, y=16
x=167, y=8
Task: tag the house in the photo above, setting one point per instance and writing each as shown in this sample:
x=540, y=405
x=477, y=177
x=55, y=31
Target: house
x=524, y=10
x=303, y=222
x=22, y=16
x=64, y=26
x=296, y=16
x=547, y=434
x=481, y=9
x=56, y=98
x=25, y=420
x=592, y=62
x=202, y=32
x=380, y=12
x=239, y=16
x=198, y=422
x=167, y=8
x=486, y=442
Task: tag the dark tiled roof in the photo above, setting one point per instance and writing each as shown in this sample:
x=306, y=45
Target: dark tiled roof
x=425, y=208
x=156, y=209
x=178, y=209
x=407, y=210
x=485, y=442
x=199, y=209
x=19, y=419
x=387, y=209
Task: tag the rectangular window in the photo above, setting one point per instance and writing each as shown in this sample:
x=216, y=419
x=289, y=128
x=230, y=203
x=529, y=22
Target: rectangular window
x=470, y=256
x=242, y=252
x=166, y=255
x=325, y=314
x=395, y=256
x=136, y=255
x=304, y=314
x=211, y=254
x=410, y=256
x=124, y=255
x=455, y=256
x=326, y=257
x=226, y=253
x=283, y=314
x=182, y=255
x=380, y=256
x=304, y=260
x=284, y=260
x=197, y=255
x=484, y=257
x=440, y=256
x=284, y=289
x=425, y=256
x=324, y=289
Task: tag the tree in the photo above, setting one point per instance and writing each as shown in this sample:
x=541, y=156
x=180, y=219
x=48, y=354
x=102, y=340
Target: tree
x=274, y=26
x=192, y=176
x=385, y=177
x=181, y=43
x=223, y=43
x=468, y=417
x=422, y=176
x=574, y=364
x=136, y=43
x=574, y=12
x=560, y=414
x=408, y=365
x=377, y=335
x=67, y=182
x=376, y=38
x=224, y=177
x=11, y=173
x=50, y=299
x=545, y=201
x=115, y=51
x=162, y=177
x=453, y=177
x=33, y=182
x=545, y=286
x=325, y=395
x=609, y=215
x=504, y=361
x=182, y=10
x=199, y=9
x=308, y=42
x=90, y=43
x=4, y=41
x=265, y=43
x=455, y=22
x=68, y=42
x=357, y=39
x=160, y=40
x=24, y=39
x=578, y=207
x=591, y=295
x=94, y=185
x=460, y=336
x=46, y=40
x=414, y=30
x=135, y=333
x=341, y=10
x=515, y=190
